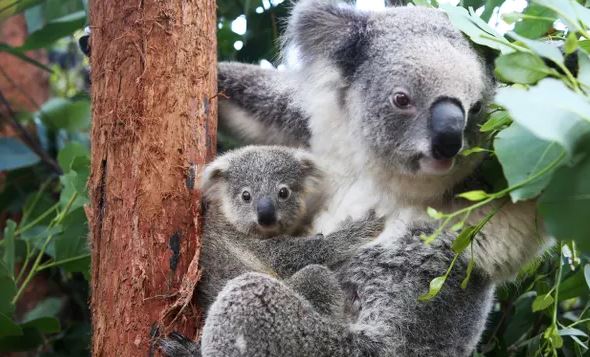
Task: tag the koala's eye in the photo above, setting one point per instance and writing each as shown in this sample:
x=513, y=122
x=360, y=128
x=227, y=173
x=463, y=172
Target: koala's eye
x=476, y=109
x=284, y=193
x=246, y=197
x=400, y=100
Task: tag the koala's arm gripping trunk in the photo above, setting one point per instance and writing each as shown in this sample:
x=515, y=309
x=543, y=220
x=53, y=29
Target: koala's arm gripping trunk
x=257, y=105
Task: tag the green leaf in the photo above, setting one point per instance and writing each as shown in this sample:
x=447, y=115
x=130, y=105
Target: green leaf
x=539, y=21
x=468, y=273
x=435, y=286
x=552, y=334
x=490, y=6
x=9, y=246
x=53, y=31
x=542, y=302
x=8, y=327
x=542, y=49
x=473, y=150
x=584, y=69
x=496, y=121
x=569, y=11
x=573, y=286
x=72, y=242
x=28, y=340
x=571, y=43
x=587, y=274
x=12, y=7
x=49, y=307
x=15, y=155
x=463, y=239
x=60, y=113
x=43, y=324
x=550, y=111
x=7, y=292
x=521, y=67
x=38, y=234
x=434, y=213
x=564, y=204
x=68, y=153
x=533, y=156
x=473, y=28
x=74, y=181
x=569, y=331
x=475, y=196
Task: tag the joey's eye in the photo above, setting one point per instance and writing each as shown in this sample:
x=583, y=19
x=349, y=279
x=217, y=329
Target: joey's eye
x=476, y=108
x=246, y=197
x=284, y=193
x=400, y=100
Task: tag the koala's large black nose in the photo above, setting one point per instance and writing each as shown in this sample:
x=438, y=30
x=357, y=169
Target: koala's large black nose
x=266, y=212
x=447, y=121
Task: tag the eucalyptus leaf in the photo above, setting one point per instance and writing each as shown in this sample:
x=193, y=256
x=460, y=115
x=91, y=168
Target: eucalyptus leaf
x=435, y=286
x=539, y=21
x=15, y=155
x=60, y=113
x=43, y=324
x=564, y=204
x=543, y=49
x=463, y=239
x=542, y=302
x=534, y=155
x=8, y=327
x=9, y=246
x=550, y=111
x=7, y=292
x=49, y=307
x=68, y=153
x=521, y=67
x=53, y=31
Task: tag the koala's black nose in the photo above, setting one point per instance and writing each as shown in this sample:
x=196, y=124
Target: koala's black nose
x=266, y=212
x=447, y=121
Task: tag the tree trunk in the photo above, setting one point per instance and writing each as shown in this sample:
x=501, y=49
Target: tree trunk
x=153, y=70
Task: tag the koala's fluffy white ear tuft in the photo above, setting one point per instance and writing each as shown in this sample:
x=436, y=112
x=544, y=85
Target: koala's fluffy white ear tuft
x=213, y=175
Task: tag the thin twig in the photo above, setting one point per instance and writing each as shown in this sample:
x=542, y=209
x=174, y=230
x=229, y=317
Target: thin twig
x=28, y=139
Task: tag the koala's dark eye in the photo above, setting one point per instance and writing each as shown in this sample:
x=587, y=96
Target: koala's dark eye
x=476, y=109
x=284, y=193
x=246, y=197
x=401, y=100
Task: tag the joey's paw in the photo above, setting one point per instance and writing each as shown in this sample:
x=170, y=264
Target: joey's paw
x=365, y=228
x=177, y=345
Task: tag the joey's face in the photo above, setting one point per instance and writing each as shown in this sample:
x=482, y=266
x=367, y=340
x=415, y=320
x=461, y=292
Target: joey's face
x=265, y=193
x=418, y=111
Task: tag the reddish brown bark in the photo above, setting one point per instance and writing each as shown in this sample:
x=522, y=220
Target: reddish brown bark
x=154, y=122
x=24, y=85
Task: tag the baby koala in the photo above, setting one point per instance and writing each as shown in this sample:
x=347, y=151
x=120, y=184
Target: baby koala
x=260, y=201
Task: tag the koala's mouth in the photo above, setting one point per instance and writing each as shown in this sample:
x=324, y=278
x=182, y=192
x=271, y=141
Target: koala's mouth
x=432, y=166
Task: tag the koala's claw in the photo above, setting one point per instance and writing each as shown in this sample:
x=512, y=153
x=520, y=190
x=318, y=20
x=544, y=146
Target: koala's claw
x=367, y=227
x=177, y=345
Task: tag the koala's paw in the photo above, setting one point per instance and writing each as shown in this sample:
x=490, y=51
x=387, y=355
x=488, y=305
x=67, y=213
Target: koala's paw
x=176, y=345
x=363, y=229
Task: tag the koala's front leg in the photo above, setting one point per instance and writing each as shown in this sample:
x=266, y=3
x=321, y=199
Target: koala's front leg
x=286, y=255
x=320, y=286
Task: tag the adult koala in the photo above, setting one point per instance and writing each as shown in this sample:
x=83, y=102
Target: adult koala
x=385, y=100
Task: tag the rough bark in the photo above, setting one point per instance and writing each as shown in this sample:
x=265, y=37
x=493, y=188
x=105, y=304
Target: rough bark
x=24, y=85
x=153, y=70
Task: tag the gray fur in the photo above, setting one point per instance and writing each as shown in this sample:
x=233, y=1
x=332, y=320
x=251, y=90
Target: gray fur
x=376, y=155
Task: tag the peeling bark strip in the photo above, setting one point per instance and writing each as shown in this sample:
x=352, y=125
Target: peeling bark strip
x=153, y=72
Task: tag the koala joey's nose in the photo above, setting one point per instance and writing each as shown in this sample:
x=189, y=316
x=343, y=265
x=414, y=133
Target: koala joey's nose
x=447, y=121
x=266, y=212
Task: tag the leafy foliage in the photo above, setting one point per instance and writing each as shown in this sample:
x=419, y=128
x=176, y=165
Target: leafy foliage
x=539, y=128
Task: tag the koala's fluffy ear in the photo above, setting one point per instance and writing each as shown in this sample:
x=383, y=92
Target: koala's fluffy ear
x=213, y=175
x=328, y=29
x=313, y=174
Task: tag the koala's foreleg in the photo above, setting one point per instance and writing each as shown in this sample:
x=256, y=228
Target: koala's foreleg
x=257, y=106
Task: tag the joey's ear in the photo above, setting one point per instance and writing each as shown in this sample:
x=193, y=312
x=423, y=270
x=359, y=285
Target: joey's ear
x=213, y=175
x=309, y=167
x=328, y=29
